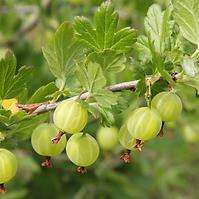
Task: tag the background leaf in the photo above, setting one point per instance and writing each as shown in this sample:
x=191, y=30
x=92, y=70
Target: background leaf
x=41, y=94
x=109, y=61
x=186, y=13
x=189, y=66
x=12, y=84
x=91, y=77
x=62, y=52
x=157, y=24
x=105, y=36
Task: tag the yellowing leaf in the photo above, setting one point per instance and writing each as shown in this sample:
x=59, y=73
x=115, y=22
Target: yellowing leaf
x=10, y=104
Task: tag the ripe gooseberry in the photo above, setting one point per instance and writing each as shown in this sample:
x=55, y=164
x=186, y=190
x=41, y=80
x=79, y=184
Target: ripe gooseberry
x=127, y=141
x=8, y=167
x=70, y=116
x=168, y=104
x=125, y=138
x=41, y=142
x=144, y=123
x=107, y=137
x=190, y=134
x=83, y=150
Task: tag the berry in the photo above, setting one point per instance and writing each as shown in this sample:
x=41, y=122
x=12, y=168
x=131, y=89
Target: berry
x=144, y=123
x=168, y=104
x=82, y=149
x=190, y=134
x=8, y=167
x=125, y=138
x=41, y=140
x=107, y=137
x=70, y=116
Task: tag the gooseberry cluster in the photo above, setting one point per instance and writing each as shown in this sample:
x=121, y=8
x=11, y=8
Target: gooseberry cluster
x=146, y=123
x=50, y=140
x=82, y=149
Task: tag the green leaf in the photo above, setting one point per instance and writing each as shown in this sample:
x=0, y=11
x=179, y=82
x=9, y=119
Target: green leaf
x=91, y=77
x=86, y=33
x=105, y=98
x=10, y=84
x=158, y=62
x=175, y=56
x=157, y=24
x=106, y=20
x=24, y=129
x=193, y=82
x=189, y=66
x=62, y=53
x=123, y=40
x=142, y=49
x=104, y=36
x=4, y=115
x=109, y=61
x=107, y=117
x=186, y=13
x=41, y=94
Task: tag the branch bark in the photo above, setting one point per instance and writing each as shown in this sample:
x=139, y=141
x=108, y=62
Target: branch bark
x=45, y=107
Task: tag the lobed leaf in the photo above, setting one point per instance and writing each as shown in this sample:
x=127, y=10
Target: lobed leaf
x=91, y=77
x=12, y=84
x=157, y=24
x=104, y=36
x=41, y=94
x=186, y=14
x=62, y=53
x=109, y=61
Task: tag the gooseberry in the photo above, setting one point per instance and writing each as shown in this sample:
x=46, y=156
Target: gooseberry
x=127, y=141
x=8, y=167
x=70, y=116
x=168, y=104
x=144, y=123
x=125, y=138
x=107, y=137
x=83, y=150
x=41, y=142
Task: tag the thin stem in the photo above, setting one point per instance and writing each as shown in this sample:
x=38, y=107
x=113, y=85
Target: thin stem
x=195, y=54
x=63, y=82
x=148, y=93
x=45, y=107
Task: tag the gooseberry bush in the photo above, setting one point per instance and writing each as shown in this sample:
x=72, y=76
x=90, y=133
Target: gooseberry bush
x=89, y=60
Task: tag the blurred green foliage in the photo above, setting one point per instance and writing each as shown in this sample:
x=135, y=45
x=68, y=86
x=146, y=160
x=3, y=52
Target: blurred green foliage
x=167, y=168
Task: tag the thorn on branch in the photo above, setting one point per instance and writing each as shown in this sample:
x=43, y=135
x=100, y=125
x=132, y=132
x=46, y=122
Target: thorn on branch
x=57, y=138
x=126, y=156
x=47, y=163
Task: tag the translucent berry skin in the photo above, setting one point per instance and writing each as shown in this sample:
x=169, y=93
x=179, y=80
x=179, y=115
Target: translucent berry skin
x=144, y=123
x=168, y=104
x=8, y=165
x=70, y=116
x=190, y=134
x=125, y=138
x=41, y=140
x=82, y=149
x=107, y=137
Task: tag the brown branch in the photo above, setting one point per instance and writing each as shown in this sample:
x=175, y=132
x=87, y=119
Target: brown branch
x=45, y=107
